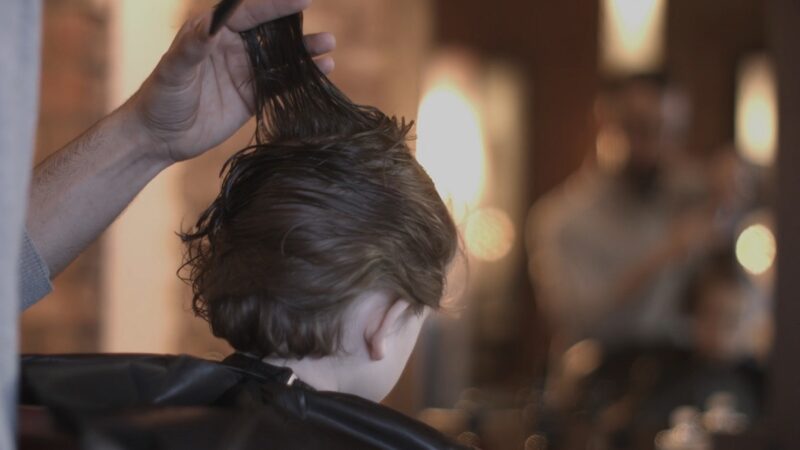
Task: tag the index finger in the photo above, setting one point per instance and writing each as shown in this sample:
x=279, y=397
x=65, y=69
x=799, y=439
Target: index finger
x=252, y=13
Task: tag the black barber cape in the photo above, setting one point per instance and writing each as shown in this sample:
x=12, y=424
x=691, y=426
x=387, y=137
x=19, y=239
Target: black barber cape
x=137, y=402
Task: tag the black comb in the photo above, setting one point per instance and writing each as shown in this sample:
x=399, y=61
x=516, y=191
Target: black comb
x=222, y=12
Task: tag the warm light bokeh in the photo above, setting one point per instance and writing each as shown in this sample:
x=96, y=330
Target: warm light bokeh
x=450, y=140
x=632, y=35
x=489, y=234
x=757, y=111
x=756, y=249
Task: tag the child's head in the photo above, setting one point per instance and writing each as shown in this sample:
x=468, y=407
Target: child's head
x=328, y=241
x=307, y=239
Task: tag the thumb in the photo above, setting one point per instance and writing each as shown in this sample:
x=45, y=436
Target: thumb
x=191, y=46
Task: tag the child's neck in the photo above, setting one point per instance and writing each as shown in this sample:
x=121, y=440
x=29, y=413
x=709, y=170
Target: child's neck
x=319, y=373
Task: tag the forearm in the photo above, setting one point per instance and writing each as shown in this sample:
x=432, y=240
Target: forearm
x=77, y=192
x=198, y=96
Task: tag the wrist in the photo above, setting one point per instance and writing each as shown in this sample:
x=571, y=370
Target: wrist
x=138, y=141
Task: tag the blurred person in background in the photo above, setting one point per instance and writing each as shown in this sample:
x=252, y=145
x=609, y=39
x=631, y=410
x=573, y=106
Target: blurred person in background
x=612, y=255
x=195, y=99
x=611, y=249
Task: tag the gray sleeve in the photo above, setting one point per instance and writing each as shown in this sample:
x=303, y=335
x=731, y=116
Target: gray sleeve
x=34, y=275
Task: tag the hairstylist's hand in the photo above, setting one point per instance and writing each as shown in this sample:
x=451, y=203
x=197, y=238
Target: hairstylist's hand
x=199, y=94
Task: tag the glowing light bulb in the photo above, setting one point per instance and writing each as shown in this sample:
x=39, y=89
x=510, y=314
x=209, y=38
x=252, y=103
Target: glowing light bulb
x=632, y=34
x=450, y=143
x=756, y=249
x=757, y=111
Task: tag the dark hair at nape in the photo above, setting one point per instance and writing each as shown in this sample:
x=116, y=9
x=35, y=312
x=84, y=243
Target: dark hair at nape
x=329, y=202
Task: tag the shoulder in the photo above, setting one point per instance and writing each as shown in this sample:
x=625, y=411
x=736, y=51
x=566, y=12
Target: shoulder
x=352, y=419
x=301, y=417
x=184, y=399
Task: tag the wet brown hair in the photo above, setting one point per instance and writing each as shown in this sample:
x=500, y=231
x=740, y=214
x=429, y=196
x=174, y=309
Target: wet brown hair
x=328, y=203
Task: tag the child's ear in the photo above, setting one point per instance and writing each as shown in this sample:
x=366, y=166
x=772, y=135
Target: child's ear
x=388, y=321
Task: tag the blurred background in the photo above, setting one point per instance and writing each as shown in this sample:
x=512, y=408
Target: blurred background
x=611, y=165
